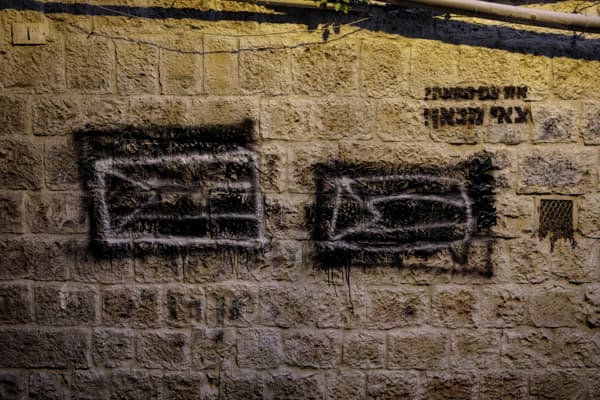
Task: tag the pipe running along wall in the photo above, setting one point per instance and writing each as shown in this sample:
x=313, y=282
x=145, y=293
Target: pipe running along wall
x=473, y=8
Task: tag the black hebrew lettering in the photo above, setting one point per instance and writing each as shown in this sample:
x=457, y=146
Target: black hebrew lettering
x=502, y=114
x=515, y=92
x=523, y=115
x=472, y=93
x=374, y=211
x=451, y=116
x=173, y=186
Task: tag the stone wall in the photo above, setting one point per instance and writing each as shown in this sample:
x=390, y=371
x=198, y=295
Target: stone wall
x=403, y=239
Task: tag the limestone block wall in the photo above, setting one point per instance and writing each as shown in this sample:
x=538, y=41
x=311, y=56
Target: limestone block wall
x=216, y=201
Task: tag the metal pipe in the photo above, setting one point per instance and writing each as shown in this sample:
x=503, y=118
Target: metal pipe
x=473, y=8
x=508, y=13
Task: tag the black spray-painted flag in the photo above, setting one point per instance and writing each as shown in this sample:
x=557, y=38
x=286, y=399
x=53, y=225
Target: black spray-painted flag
x=173, y=186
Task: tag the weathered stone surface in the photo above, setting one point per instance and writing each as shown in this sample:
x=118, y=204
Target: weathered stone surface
x=514, y=215
x=105, y=112
x=181, y=66
x=137, y=68
x=275, y=323
x=391, y=385
x=12, y=210
x=285, y=119
x=294, y=386
x=576, y=264
x=592, y=381
x=265, y=65
x=503, y=385
x=56, y=115
x=364, y=350
x=57, y=213
x=13, y=385
x=39, y=259
x=130, y=306
x=15, y=303
x=259, y=348
x=232, y=305
x=207, y=268
x=502, y=306
x=302, y=158
x=577, y=349
x=221, y=65
x=163, y=350
x=384, y=68
x=316, y=71
x=113, y=348
x=286, y=215
x=60, y=165
x=158, y=269
x=591, y=122
x=345, y=384
x=44, y=348
x=481, y=66
x=212, y=348
x=557, y=384
x=273, y=164
x=157, y=110
x=182, y=386
x=223, y=110
x=339, y=306
x=529, y=261
x=507, y=134
x=591, y=305
x=453, y=306
x=89, y=385
x=15, y=112
x=527, y=348
x=241, y=385
x=555, y=305
x=418, y=349
x=535, y=73
x=556, y=171
x=573, y=79
x=20, y=164
x=312, y=349
x=478, y=349
x=555, y=123
x=88, y=268
x=386, y=308
x=401, y=120
x=413, y=272
x=135, y=385
x=49, y=385
x=286, y=306
x=66, y=305
x=424, y=73
x=589, y=215
x=37, y=69
x=94, y=72
x=444, y=385
x=342, y=119
x=286, y=260
x=183, y=306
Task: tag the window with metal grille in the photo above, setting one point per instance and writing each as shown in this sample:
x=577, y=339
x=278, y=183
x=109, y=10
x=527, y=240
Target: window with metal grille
x=556, y=219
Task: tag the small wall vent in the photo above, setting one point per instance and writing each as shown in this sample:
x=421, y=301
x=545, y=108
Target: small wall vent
x=556, y=219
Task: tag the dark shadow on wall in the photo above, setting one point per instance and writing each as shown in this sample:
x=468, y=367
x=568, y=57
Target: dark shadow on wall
x=418, y=24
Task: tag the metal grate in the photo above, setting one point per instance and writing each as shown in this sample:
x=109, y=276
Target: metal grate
x=556, y=218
